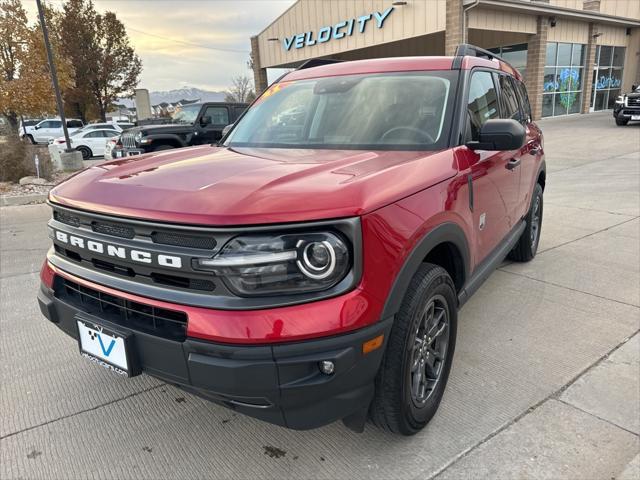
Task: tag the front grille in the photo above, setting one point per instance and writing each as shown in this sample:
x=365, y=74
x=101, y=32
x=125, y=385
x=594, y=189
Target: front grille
x=178, y=240
x=67, y=218
x=633, y=101
x=157, y=321
x=114, y=230
x=128, y=140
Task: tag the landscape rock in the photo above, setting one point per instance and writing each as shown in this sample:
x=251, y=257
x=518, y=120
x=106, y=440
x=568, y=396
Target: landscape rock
x=33, y=181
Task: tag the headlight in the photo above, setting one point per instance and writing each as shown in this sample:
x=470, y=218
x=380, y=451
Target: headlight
x=280, y=264
x=620, y=100
x=138, y=137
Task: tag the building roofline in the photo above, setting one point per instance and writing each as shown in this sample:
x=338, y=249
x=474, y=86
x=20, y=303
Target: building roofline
x=528, y=6
x=277, y=18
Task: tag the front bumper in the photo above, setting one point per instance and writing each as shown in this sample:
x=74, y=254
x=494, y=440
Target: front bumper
x=626, y=113
x=278, y=383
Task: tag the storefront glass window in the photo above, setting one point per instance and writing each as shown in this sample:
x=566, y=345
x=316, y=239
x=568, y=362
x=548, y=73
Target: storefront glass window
x=563, y=74
x=607, y=76
x=516, y=55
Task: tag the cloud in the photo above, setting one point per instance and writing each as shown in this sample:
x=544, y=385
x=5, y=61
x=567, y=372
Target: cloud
x=170, y=62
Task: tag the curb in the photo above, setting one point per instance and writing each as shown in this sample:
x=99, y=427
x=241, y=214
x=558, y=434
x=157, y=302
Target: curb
x=6, y=201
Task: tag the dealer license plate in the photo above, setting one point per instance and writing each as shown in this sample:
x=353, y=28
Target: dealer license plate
x=104, y=347
x=635, y=117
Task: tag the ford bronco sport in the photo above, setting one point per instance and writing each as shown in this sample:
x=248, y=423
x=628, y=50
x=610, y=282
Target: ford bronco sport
x=309, y=267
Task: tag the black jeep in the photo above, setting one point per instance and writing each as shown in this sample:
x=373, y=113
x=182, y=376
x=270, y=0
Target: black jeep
x=627, y=107
x=195, y=124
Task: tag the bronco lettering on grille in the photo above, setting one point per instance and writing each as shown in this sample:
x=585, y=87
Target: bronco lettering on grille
x=139, y=256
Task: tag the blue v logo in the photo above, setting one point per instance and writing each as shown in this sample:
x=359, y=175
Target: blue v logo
x=107, y=350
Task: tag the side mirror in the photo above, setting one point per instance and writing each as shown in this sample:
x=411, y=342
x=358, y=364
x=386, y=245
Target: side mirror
x=206, y=120
x=499, y=134
x=36, y=127
x=634, y=87
x=226, y=129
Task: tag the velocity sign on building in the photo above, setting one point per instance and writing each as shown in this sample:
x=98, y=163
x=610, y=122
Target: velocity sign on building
x=576, y=56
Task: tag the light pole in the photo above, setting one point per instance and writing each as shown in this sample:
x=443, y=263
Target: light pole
x=54, y=75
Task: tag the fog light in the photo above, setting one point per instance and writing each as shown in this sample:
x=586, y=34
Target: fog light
x=327, y=367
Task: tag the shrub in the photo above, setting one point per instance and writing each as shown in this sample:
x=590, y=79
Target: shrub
x=17, y=160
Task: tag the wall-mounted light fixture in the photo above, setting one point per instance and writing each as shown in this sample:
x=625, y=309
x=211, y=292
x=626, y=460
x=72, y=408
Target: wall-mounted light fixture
x=272, y=39
x=596, y=35
x=399, y=4
x=552, y=21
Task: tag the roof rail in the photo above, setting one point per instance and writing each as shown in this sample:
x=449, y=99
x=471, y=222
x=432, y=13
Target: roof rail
x=317, y=62
x=466, y=49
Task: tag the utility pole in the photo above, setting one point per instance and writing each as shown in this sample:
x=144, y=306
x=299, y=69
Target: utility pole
x=54, y=74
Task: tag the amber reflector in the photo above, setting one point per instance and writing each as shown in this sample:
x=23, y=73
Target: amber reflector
x=373, y=344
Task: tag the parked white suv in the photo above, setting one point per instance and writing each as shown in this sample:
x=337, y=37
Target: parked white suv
x=52, y=128
x=88, y=141
x=26, y=128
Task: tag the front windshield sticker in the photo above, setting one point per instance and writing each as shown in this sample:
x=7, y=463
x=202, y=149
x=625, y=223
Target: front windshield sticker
x=272, y=90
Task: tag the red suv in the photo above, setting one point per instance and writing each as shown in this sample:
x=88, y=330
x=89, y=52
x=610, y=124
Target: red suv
x=310, y=267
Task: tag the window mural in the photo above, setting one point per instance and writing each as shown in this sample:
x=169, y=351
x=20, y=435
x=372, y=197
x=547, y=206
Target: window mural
x=563, y=76
x=607, y=76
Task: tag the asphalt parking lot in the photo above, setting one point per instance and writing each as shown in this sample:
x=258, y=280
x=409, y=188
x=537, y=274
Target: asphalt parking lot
x=544, y=382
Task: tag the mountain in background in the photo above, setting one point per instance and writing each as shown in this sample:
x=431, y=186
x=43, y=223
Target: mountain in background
x=184, y=93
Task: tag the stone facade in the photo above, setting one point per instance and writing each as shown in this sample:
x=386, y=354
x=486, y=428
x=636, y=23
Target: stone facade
x=453, y=21
x=590, y=60
x=535, y=65
x=259, y=74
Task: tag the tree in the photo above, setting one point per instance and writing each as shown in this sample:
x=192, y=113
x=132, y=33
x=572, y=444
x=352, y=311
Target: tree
x=240, y=91
x=106, y=66
x=25, y=80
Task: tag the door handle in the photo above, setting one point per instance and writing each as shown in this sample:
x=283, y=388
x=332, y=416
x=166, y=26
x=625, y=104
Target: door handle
x=513, y=163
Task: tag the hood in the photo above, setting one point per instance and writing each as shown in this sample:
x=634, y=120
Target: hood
x=164, y=127
x=222, y=186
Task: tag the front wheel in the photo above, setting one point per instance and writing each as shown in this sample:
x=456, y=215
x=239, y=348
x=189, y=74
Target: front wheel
x=527, y=245
x=621, y=122
x=416, y=364
x=86, y=152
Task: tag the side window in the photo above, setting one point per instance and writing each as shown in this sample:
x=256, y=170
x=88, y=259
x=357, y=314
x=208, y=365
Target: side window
x=509, y=99
x=94, y=134
x=482, y=104
x=238, y=111
x=110, y=133
x=524, y=101
x=74, y=124
x=45, y=125
x=52, y=124
x=219, y=115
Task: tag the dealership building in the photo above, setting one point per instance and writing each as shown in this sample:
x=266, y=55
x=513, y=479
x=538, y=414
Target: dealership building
x=576, y=56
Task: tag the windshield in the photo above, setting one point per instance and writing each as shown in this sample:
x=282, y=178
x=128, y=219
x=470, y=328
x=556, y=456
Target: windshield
x=407, y=110
x=185, y=114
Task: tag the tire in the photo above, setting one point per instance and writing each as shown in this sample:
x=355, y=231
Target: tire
x=160, y=148
x=398, y=405
x=86, y=152
x=29, y=138
x=621, y=122
x=527, y=245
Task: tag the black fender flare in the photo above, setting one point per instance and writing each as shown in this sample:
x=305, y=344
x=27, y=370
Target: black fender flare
x=542, y=169
x=445, y=232
x=171, y=137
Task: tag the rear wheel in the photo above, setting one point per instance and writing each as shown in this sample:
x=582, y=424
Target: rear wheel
x=86, y=152
x=527, y=245
x=621, y=122
x=416, y=365
x=29, y=138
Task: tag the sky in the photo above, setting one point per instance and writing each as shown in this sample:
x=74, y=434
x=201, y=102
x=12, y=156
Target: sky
x=170, y=37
